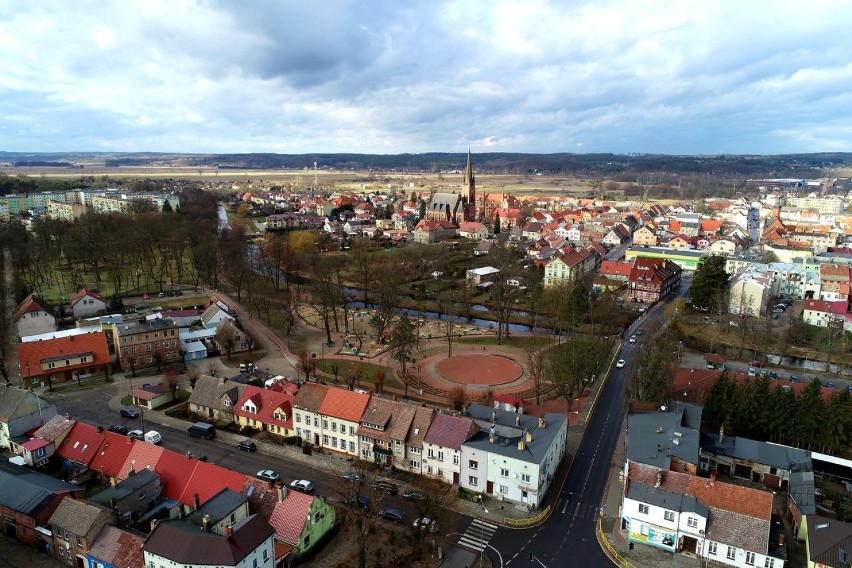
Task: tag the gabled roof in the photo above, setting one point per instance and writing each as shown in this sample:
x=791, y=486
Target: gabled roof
x=450, y=431
x=123, y=489
x=142, y=455
x=209, y=479
x=310, y=397
x=289, y=516
x=218, y=507
x=31, y=304
x=82, y=443
x=16, y=402
x=267, y=402
x=29, y=492
x=112, y=454
x=82, y=294
x=175, y=471
x=419, y=426
x=183, y=543
x=344, y=404
x=57, y=426
x=118, y=548
x=79, y=517
x=209, y=391
x=825, y=539
x=32, y=355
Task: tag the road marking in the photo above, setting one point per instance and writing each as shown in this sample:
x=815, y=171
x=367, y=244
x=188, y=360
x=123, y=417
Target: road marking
x=564, y=507
x=477, y=535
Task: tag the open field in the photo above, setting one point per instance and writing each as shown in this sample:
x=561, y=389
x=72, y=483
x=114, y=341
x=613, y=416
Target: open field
x=343, y=180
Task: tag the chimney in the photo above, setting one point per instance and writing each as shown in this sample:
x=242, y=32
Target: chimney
x=491, y=438
x=205, y=523
x=196, y=500
x=282, y=492
x=542, y=423
x=229, y=531
x=659, y=479
x=721, y=433
x=528, y=436
x=713, y=478
x=521, y=445
x=493, y=415
x=517, y=419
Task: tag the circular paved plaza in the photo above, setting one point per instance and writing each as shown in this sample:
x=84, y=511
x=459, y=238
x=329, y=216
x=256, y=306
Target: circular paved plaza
x=479, y=369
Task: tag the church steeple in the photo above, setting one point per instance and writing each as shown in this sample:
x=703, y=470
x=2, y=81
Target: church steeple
x=470, y=184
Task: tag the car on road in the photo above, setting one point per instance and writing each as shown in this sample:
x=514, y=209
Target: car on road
x=620, y=363
x=755, y=363
x=363, y=501
x=247, y=446
x=136, y=434
x=425, y=524
x=353, y=476
x=178, y=293
x=773, y=375
x=391, y=514
x=414, y=495
x=632, y=338
x=146, y=296
x=849, y=388
x=302, y=485
x=129, y=412
x=752, y=372
x=386, y=486
x=795, y=379
x=831, y=386
x=118, y=429
x=268, y=475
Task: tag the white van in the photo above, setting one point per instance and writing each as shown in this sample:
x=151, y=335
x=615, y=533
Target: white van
x=153, y=437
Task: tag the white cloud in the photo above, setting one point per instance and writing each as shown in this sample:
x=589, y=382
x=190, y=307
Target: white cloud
x=538, y=76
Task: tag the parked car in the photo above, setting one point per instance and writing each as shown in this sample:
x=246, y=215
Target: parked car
x=247, y=446
x=129, y=412
x=136, y=434
x=386, y=486
x=752, y=372
x=178, y=293
x=390, y=514
x=425, y=524
x=302, y=485
x=146, y=297
x=755, y=363
x=353, y=476
x=268, y=475
x=414, y=495
x=620, y=363
x=773, y=375
x=795, y=379
x=831, y=386
x=363, y=501
x=202, y=430
x=632, y=338
x=118, y=429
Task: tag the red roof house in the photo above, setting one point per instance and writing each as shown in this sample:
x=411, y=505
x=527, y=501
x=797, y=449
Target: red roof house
x=64, y=358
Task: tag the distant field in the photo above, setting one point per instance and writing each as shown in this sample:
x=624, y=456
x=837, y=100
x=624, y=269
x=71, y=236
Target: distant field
x=344, y=180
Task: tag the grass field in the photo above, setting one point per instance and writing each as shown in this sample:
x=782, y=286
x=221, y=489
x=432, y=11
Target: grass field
x=367, y=371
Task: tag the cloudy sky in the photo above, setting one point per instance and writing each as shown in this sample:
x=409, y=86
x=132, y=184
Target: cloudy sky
x=367, y=76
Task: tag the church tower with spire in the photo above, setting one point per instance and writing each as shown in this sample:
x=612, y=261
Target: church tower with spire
x=470, y=184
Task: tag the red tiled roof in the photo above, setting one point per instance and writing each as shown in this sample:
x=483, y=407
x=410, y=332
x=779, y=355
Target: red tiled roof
x=267, y=401
x=710, y=225
x=82, y=294
x=282, y=550
x=31, y=304
x=616, y=268
x=209, y=479
x=289, y=516
x=175, y=471
x=143, y=455
x=112, y=454
x=31, y=354
x=81, y=444
x=35, y=444
x=450, y=431
x=344, y=404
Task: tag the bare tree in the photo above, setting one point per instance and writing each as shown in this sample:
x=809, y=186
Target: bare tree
x=306, y=364
x=361, y=502
x=535, y=351
x=572, y=366
x=192, y=375
x=226, y=336
x=404, y=342
x=503, y=298
x=364, y=258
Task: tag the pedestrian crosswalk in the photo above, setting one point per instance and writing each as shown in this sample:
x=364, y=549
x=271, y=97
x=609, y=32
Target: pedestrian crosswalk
x=578, y=510
x=477, y=535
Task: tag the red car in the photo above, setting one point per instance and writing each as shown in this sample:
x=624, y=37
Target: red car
x=146, y=297
x=755, y=363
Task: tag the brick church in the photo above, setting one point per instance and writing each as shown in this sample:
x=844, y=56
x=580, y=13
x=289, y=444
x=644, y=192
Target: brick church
x=454, y=207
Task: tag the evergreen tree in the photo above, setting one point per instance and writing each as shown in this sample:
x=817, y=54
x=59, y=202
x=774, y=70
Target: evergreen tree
x=710, y=279
x=167, y=207
x=496, y=223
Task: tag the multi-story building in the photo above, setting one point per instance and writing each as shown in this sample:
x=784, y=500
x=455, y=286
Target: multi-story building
x=513, y=456
x=572, y=265
x=824, y=205
x=340, y=414
x=414, y=441
x=74, y=525
x=146, y=343
x=652, y=279
x=21, y=411
x=384, y=429
x=65, y=211
x=64, y=359
x=749, y=292
x=249, y=543
x=265, y=410
x=33, y=317
x=686, y=259
x=306, y=412
x=834, y=282
x=442, y=446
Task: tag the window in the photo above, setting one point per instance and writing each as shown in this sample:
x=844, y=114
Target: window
x=351, y=430
x=504, y=472
x=265, y=553
x=307, y=540
x=669, y=516
x=431, y=453
x=643, y=508
x=456, y=459
x=504, y=489
x=334, y=426
x=769, y=563
x=414, y=450
x=334, y=441
x=298, y=419
x=749, y=558
x=692, y=522
x=414, y=464
x=440, y=455
x=79, y=541
x=351, y=446
x=711, y=548
x=324, y=423
x=473, y=465
x=325, y=440
x=316, y=421
x=732, y=553
x=525, y=477
x=473, y=481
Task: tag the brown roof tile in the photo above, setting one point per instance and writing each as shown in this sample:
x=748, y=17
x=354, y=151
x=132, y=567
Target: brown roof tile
x=450, y=431
x=310, y=397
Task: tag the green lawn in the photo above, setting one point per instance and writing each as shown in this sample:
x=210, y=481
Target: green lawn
x=368, y=371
